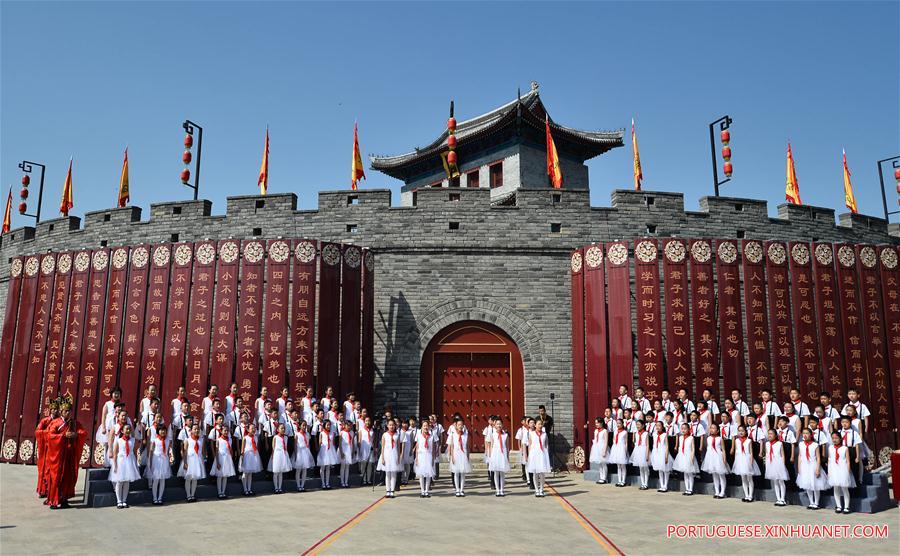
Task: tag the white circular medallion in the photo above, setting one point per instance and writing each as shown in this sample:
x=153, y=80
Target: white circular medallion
x=753, y=250
x=727, y=251
x=701, y=251
x=646, y=251
x=100, y=260
x=161, y=255
x=26, y=450
x=305, y=251
x=846, y=256
x=593, y=257
x=15, y=268
x=85, y=454
x=120, y=258
x=31, y=266
x=352, y=256
x=675, y=251
x=800, y=253
x=82, y=261
x=279, y=251
x=48, y=264
x=576, y=262
x=617, y=254
x=331, y=254
x=777, y=253
x=64, y=264
x=9, y=449
x=867, y=257
x=229, y=252
x=889, y=258
x=183, y=254
x=205, y=253
x=370, y=261
x=824, y=254
x=140, y=256
x=99, y=454
x=253, y=252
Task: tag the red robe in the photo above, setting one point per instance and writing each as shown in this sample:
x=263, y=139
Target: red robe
x=63, y=459
x=40, y=441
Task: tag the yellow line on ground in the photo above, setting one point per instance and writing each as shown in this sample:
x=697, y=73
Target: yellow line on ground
x=335, y=535
x=559, y=498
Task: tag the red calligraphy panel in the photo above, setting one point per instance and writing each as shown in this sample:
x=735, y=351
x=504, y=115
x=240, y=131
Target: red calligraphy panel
x=780, y=318
x=831, y=343
x=329, y=316
x=757, y=318
x=21, y=353
x=703, y=305
x=877, y=373
x=595, y=333
x=731, y=328
x=35, y=373
x=803, y=301
x=250, y=320
x=890, y=291
x=367, y=377
x=678, y=324
x=621, y=364
x=86, y=405
x=351, y=281
x=649, y=326
x=278, y=273
x=55, y=338
x=852, y=320
x=303, y=317
x=177, y=323
x=75, y=327
x=196, y=375
x=133, y=334
x=578, y=319
x=155, y=319
x=10, y=322
x=115, y=318
x=224, y=317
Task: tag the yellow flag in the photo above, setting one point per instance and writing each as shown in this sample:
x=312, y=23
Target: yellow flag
x=849, y=198
x=792, y=189
x=263, y=180
x=124, y=191
x=553, y=168
x=66, y=201
x=357, y=171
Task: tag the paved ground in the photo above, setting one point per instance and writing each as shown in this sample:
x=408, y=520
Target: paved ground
x=582, y=518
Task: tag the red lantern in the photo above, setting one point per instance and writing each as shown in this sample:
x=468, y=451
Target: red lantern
x=728, y=169
x=186, y=157
x=451, y=157
x=26, y=179
x=188, y=141
x=726, y=153
x=185, y=176
x=897, y=174
x=451, y=123
x=24, y=193
x=22, y=208
x=726, y=137
x=451, y=141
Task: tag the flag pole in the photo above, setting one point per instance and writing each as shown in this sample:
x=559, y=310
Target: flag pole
x=26, y=166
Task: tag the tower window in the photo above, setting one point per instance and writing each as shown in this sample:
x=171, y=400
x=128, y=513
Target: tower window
x=555, y=227
x=496, y=172
x=454, y=225
x=472, y=179
x=555, y=198
x=351, y=228
x=352, y=199
x=741, y=234
x=651, y=229
x=174, y=238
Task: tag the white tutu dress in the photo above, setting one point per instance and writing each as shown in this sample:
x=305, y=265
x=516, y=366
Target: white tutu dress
x=775, y=468
x=223, y=452
x=303, y=458
x=327, y=451
x=159, y=467
x=600, y=446
x=660, y=458
x=280, y=462
x=639, y=454
x=424, y=465
x=364, y=444
x=459, y=462
x=126, y=469
x=345, y=447
x=807, y=466
x=498, y=461
x=406, y=438
x=618, y=454
x=390, y=453
x=713, y=461
x=194, y=460
x=250, y=460
x=538, y=453
x=685, y=461
x=839, y=472
x=110, y=422
x=744, y=464
x=522, y=435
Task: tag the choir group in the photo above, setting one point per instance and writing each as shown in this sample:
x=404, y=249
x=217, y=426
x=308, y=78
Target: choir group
x=309, y=435
x=815, y=449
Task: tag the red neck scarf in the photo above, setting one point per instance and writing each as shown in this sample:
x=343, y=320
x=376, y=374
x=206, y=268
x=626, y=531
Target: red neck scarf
x=303, y=434
x=540, y=440
x=500, y=438
x=349, y=441
x=771, y=451
x=459, y=440
x=659, y=437
x=196, y=445
x=283, y=442
x=781, y=435
x=684, y=441
x=425, y=436
x=127, y=447
x=837, y=454
x=616, y=440
x=162, y=441
x=227, y=441
x=640, y=436
x=807, y=443
x=743, y=441
x=714, y=443
x=596, y=435
x=392, y=439
x=252, y=440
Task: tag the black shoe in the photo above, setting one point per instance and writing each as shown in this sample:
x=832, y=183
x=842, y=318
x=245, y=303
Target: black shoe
x=846, y=510
x=837, y=510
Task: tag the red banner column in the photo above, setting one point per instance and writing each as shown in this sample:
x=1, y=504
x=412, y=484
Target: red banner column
x=176, y=327
x=278, y=274
x=803, y=301
x=595, y=333
x=890, y=282
x=250, y=320
x=831, y=343
x=780, y=317
x=351, y=280
x=201, y=323
x=851, y=320
x=703, y=304
x=86, y=405
x=621, y=356
x=303, y=317
x=10, y=324
x=757, y=318
x=678, y=322
x=329, y=317
x=57, y=327
x=579, y=417
x=133, y=335
x=223, y=348
x=731, y=329
x=115, y=318
x=367, y=377
x=649, y=325
x=154, y=322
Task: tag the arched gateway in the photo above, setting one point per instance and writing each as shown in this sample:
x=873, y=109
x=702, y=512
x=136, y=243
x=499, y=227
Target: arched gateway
x=475, y=369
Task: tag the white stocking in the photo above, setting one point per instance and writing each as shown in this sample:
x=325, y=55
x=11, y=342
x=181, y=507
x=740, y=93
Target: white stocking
x=620, y=476
x=689, y=482
x=779, y=489
x=500, y=478
x=539, y=483
x=845, y=492
x=645, y=475
x=326, y=475
x=278, y=479
x=604, y=471
x=422, y=484
x=747, y=484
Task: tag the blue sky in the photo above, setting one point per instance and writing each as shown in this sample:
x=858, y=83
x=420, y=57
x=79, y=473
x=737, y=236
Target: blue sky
x=87, y=79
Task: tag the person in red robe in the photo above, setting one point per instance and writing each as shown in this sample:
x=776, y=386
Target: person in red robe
x=40, y=438
x=64, y=441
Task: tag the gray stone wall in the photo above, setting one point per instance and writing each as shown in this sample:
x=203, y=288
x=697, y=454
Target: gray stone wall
x=503, y=264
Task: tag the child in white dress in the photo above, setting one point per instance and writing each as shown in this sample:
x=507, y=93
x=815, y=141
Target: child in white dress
x=389, y=462
x=365, y=454
x=715, y=461
x=303, y=459
x=686, y=459
x=498, y=462
x=250, y=461
x=661, y=458
x=840, y=475
x=424, y=459
x=538, y=457
x=124, y=467
x=347, y=452
x=600, y=450
x=328, y=455
x=223, y=466
x=280, y=463
x=458, y=453
x=618, y=454
x=193, y=465
x=640, y=456
x=776, y=471
x=158, y=470
x=108, y=419
x=522, y=435
x=744, y=464
x=810, y=476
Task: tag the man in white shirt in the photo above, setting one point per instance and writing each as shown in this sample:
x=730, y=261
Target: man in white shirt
x=830, y=411
x=687, y=404
x=711, y=404
x=739, y=404
x=624, y=398
x=666, y=401
x=642, y=402
x=862, y=412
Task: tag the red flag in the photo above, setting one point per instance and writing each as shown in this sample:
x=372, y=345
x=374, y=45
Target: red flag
x=7, y=214
x=263, y=181
x=124, y=189
x=66, y=201
x=356, y=169
x=553, y=168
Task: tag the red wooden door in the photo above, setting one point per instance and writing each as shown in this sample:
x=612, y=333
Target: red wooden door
x=454, y=385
